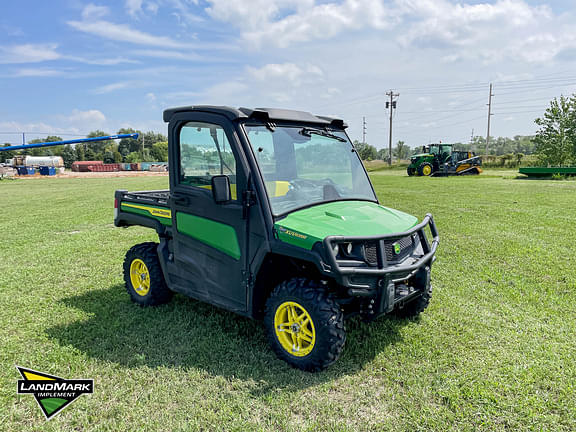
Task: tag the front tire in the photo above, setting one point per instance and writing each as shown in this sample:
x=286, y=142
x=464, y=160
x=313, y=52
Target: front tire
x=425, y=169
x=305, y=324
x=143, y=276
x=411, y=171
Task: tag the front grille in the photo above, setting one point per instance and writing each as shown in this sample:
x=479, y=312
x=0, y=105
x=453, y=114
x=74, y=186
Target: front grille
x=371, y=253
x=406, y=246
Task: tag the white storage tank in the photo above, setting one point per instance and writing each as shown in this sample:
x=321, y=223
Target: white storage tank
x=53, y=161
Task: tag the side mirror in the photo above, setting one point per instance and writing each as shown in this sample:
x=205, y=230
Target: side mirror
x=221, y=189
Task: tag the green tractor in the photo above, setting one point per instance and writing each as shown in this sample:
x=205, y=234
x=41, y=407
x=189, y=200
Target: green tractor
x=442, y=159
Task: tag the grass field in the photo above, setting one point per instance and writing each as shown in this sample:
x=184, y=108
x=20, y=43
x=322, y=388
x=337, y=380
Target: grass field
x=496, y=350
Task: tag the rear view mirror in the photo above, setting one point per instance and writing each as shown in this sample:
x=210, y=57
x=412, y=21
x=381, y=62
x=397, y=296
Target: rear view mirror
x=221, y=189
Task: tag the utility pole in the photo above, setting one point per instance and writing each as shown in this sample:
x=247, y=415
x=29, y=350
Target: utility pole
x=364, y=130
x=489, y=117
x=392, y=105
x=472, y=136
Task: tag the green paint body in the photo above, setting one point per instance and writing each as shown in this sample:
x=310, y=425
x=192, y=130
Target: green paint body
x=163, y=220
x=304, y=228
x=218, y=235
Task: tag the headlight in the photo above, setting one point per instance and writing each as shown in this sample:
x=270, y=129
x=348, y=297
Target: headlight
x=347, y=248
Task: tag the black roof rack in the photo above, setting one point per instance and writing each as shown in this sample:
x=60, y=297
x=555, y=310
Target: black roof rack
x=264, y=114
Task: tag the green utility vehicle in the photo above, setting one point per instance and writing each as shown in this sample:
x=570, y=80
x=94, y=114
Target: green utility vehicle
x=270, y=214
x=443, y=160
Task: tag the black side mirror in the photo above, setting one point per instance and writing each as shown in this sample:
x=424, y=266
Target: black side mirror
x=221, y=189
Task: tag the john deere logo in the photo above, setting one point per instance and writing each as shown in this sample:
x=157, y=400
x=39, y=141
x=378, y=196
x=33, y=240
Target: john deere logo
x=52, y=393
x=397, y=248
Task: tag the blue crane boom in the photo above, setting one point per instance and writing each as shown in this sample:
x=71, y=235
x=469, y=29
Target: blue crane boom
x=74, y=141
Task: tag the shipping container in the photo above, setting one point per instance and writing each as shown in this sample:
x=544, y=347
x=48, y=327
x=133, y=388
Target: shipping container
x=84, y=166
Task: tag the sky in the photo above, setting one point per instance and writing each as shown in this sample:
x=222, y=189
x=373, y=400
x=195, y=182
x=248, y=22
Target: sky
x=68, y=67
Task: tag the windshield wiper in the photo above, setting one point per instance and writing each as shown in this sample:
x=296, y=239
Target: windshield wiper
x=309, y=131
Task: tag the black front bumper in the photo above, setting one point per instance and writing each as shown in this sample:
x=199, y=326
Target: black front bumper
x=363, y=280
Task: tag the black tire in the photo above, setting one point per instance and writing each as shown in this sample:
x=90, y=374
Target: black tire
x=423, y=166
x=416, y=306
x=158, y=293
x=411, y=171
x=327, y=320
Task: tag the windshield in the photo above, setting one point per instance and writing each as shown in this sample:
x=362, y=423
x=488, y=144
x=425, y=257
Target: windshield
x=305, y=166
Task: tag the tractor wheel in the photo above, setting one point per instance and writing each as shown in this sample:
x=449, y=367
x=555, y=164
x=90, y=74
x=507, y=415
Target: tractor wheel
x=305, y=325
x=415, y=307
x=143, y=276
x=411, y=171
x=425, y=169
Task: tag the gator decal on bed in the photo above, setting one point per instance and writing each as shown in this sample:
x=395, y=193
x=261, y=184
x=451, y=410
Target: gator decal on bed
x=162, y=214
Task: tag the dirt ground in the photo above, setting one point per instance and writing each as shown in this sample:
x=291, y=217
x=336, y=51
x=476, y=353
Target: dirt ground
x=71, y=174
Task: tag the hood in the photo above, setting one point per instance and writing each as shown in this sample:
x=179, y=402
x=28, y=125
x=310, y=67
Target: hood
x=419, y=155
x=346, y=218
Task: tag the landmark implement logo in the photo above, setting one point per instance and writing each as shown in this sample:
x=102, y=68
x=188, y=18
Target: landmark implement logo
x=51, y=392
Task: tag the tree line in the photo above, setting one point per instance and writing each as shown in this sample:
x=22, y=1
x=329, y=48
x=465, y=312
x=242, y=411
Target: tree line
x=149, y=146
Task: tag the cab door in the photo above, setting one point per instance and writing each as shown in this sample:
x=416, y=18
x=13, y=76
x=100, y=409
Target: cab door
x=208, y=238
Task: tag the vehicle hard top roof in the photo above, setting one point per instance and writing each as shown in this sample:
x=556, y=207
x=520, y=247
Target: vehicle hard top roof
x=262, y=114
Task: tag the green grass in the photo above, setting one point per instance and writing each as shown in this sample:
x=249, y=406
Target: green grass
x=495, y=350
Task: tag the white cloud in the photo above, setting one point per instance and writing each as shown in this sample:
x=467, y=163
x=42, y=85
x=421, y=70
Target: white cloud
x=91, y=117
x=164, y=54
x=286, y=72
x=29, y=53
x=124, y=33
x=284, y=22
x=133, y=7
x=92, y=12
x=77, y=122
x=109, y=88
x=38, y=72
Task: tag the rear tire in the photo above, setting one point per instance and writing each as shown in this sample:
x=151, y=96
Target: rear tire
x=305, y=324
x=425, y=169
x=143, y=276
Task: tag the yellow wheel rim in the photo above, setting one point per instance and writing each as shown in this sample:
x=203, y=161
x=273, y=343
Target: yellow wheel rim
x=294, y=329
x=427, y=170
x=140, y=277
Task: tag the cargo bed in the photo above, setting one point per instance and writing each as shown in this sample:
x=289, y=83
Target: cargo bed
x=147, y=208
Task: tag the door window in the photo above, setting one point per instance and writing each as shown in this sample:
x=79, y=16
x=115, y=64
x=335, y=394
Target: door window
x=205, y=152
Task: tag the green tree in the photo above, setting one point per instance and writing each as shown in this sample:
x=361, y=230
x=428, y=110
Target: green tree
x=7, y=154
x=556, y=139
x=134, y=157
x=159, y=151
x=108, y=157
x=401, y=151
x=89, y=154
x=80, y=153
x=128, y=145
x=69, y=155
x=98, y=146
x=383, y=154
x=365, y=151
